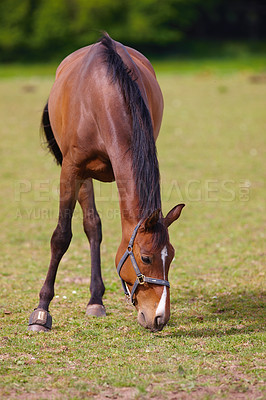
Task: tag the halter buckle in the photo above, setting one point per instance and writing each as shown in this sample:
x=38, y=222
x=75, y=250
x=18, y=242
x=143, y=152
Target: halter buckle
x=141, y=279
x=127, y=298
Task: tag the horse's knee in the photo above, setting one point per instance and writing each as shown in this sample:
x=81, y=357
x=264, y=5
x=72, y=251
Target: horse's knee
x=61, y=239
x=92, y=226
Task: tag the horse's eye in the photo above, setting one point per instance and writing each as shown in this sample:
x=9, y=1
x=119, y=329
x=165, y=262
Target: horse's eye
x=146, y=259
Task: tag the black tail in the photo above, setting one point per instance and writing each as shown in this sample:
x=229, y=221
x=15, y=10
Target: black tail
x=144, y=156
x=51, y=143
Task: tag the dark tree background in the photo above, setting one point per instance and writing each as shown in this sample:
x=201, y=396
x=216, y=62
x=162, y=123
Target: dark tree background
x=41, y=29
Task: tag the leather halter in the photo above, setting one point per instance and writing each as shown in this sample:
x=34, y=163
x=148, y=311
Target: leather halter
x=141, y=279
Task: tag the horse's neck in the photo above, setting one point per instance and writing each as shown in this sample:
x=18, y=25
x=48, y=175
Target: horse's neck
x=126, y=181
x=129, y=203
x=128, y=197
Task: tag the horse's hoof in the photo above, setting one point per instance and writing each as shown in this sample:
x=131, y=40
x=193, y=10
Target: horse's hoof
x=38, y=328
x=40, y=321
x=96, y=310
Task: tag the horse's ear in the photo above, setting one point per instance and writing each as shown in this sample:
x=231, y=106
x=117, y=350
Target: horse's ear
x=173, y=215
x=152, y=220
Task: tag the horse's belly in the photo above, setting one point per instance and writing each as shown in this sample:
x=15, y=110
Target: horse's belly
x=99, y=169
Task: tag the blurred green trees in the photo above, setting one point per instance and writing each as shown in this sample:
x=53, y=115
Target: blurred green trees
x=32, y=29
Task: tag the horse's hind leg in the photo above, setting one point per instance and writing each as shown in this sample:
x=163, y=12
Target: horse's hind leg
x=40, y=319
x=93, y=230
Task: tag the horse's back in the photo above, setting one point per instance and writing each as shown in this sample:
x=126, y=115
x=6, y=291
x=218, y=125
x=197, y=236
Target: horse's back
x=85, y=104
x=88, y=62
x=72, y=58
x=70, y=108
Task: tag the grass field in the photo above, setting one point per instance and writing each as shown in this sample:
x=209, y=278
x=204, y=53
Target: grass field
x=212, y=157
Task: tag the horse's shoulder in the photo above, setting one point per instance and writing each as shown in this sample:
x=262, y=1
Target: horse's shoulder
x=140, y=58
x=72, y=58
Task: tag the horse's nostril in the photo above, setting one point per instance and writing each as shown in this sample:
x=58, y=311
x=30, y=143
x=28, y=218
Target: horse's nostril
x=142, y=316
x=159, y=321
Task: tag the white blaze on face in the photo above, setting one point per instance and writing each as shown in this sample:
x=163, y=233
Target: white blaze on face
x=161, y=306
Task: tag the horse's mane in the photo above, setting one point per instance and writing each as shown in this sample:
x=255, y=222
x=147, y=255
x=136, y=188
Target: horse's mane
x=144, y=155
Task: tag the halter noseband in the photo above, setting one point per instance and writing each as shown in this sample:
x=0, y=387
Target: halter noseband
x=141, y=279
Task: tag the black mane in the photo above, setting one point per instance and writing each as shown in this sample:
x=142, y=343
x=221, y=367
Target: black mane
x=144, y=155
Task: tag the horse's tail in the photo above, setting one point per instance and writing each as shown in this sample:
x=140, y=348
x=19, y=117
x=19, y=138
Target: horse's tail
x=144, y=155
x=50, y=139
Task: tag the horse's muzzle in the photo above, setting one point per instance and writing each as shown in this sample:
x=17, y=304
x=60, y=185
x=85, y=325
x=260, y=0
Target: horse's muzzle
x=154, y=323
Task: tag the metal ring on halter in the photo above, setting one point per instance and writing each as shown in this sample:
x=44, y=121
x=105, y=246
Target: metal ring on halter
x=141, y=279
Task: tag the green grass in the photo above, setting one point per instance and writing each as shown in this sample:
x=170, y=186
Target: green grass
x=245, y=62
x=211, y=153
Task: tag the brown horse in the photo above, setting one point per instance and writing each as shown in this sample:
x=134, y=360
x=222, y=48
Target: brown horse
x=101, y=121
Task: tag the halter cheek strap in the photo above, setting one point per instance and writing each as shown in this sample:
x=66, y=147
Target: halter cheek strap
x=141, y=279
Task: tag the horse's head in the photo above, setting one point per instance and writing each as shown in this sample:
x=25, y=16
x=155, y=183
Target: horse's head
x=143, y=264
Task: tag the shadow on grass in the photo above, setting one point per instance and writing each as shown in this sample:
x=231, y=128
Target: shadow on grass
x=234, y=313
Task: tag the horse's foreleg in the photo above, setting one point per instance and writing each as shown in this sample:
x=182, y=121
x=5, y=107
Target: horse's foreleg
x=93, y=230
x=40, y=319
